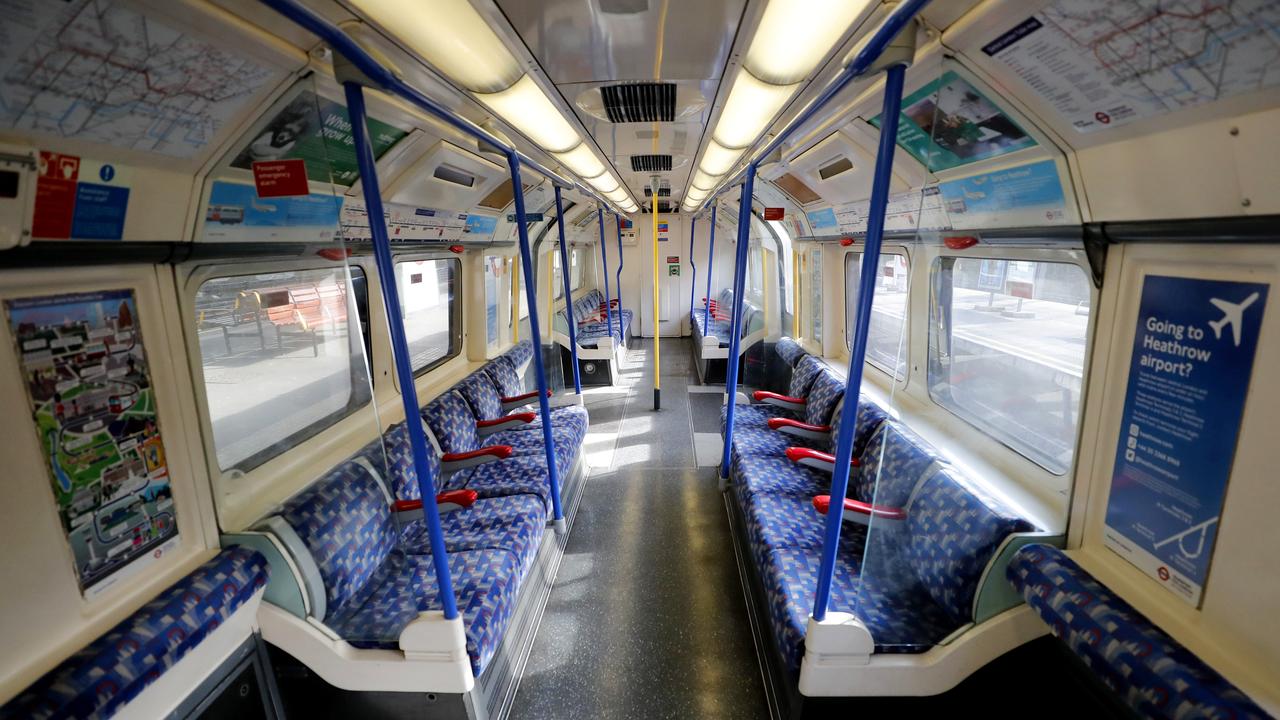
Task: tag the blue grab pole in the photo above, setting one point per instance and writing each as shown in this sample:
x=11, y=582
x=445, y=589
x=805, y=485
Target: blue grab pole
x=711, y=263
x=568, y=293
x=399, y=345
x=857, y=355
x=540, y=372
x=693, y=282
x=735, y=324
x=622, y=332
x=604, y=263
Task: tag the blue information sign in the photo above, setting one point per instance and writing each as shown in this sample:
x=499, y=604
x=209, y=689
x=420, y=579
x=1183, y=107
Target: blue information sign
x=1188, y=377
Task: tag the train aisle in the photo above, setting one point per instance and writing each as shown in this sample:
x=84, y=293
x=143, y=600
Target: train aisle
x=647, y=618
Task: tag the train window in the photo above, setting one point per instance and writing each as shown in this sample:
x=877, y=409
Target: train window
x=886, y=346
x=557, y=276
x=815, y=294
x=755, y=274
x=1006, y=351
x=280, y=360
x=785, y=269
x=575, y=269
x=432, y=315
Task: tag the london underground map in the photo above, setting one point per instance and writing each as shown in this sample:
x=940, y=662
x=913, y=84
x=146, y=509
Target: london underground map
x=97, y=70
x=1103, y=63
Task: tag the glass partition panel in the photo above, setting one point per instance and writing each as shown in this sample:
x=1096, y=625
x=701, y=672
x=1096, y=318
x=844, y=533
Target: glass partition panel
x=885, y=341
x=432, y=310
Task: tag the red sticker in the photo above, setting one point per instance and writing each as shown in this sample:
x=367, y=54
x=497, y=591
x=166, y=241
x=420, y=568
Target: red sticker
x=773, y=213
x=673, y=259
x=55, y=195
x=280, y=178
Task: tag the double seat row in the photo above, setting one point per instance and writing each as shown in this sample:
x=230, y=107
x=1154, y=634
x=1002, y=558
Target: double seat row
x=712, y=324
x=591, y=317
x=359, y=542
x=917, y=536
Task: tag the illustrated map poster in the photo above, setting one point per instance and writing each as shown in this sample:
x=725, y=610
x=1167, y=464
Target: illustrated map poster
x=1104, y=63
x=99, y=71
x=1188, y=378
x=93, y=403
x=317, y=131
x=948, y=123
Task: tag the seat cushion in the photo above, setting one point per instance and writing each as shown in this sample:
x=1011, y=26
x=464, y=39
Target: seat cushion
x=485, y=584
x=755, y=415
x=530, y=444
x=114, y=669
x=519, y=354
x=505, y=374
x=482, y=395
x=789, y=351
x=452, y=423
x=778, y=476
x=526, y=475
x=1148, y=669
x=514, y=523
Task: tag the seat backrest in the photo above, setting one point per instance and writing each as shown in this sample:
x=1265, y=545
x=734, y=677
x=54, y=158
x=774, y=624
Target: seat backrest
x=481, y=395
x=803, y=376
x=891, y=466
x=345, y=522
x=869, y=417
x=452, y=422
x=823, y=395
x=502, y=371
x=790, y=351
x=392, y=456
x=953, y=530
x=520, y=353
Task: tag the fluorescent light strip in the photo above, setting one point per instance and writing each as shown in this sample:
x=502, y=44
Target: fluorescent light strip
x=717, y=159
x=582, y=161
x=752, y=104
x=606, y=183
x=530, y=111
x=793, y=36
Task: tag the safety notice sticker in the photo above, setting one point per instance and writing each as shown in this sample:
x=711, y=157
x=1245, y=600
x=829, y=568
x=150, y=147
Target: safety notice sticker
x=1188, y=377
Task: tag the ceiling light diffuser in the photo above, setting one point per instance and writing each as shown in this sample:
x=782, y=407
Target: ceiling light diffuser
x=530, y=111
x=793, y=36
x=605, y=183
x=582, y=161
x=717, y=159
x=752, y=104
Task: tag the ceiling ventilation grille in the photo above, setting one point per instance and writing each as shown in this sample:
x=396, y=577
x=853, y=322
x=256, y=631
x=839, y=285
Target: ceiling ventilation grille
x=662, y=192
x=664, y=207
x=640, y=102
x=650, y=163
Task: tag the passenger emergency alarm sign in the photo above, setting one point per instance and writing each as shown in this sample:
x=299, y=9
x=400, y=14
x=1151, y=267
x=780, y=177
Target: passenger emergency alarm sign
x=1188, y=378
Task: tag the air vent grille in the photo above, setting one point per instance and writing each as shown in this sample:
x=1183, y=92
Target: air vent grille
x=640, y=102
x=664, y=207
x=650, y=163
x=662, y=192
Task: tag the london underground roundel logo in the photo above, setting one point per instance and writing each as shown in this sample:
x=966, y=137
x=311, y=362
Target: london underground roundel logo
x=1163, y=572
x=1102, y=117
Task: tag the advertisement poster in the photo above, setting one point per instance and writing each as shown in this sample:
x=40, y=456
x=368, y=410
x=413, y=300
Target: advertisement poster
x=93, y=404
x=318, y=132
x=236, y=214
x=1188, y=378
x=948, y=123
x=1024, y=195
x=824, y=219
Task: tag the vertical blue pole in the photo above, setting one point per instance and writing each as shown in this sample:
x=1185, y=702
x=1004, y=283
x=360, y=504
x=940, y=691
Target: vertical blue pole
x=735, y=323
x=604, y=263
x=693, y=283
x=568, y=293
x=857, y=355
x=711, y=264
x=535, y=332
x=399, y=345
x=622, y=332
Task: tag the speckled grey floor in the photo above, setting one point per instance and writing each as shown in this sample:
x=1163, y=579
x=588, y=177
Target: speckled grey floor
x=647, y=618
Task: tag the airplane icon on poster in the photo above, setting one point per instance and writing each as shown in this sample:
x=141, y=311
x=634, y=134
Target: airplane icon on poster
x=1232, y=314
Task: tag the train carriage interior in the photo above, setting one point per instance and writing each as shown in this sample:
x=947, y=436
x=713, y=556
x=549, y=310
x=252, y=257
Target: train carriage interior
x=525, y=359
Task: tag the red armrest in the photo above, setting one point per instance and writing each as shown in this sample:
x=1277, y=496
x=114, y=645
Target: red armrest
x=766, y=395
x=526, y=396
x=524, y=417
x=816, y=459
x=860, y=512
x=406, y=505
x=446, y=501
x=501, y=452
x=779, y=423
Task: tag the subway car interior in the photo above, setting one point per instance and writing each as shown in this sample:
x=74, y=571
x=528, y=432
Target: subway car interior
x=496, y=359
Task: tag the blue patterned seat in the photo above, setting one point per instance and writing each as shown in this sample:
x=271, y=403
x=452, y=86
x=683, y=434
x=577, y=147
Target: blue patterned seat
x=513, y=522
x=520, y=353
x=99, y=680
x=1148, y=669
x=454, y=427
x=803, y=378
x=373, y=587
x=505, y=375
x=912, y=583
x=755, y=440
x=789, y=351
x=777, y=476
x=485, y=403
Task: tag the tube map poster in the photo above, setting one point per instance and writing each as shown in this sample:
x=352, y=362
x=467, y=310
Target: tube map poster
x=93, y=404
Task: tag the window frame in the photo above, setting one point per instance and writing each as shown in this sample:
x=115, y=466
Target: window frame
x=812, y=275
x=934, y=280
x=455, y=311
x=891, y=373
x=194, y=281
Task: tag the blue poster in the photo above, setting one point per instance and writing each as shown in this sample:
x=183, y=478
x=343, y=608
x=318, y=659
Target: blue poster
x=1188, y=378
x=1025, y=195
x=824, y=219
x=480, y=226
x=100, y=209
x=236, y=213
